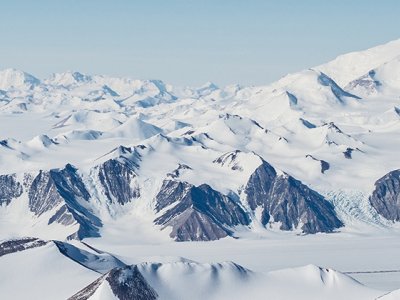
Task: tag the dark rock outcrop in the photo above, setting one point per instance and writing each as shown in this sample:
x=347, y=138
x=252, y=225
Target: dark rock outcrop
x=386, y=196
x=126, y=283
x=177, y=172
x=16, y=245
x=348, y=152
x=116, y=177
x=324, y=164
x=63, y=188
x=286, y=200
x=197, y=213
x=229, y=159
x=50, y=188
x=367, y=83
x=10, y=188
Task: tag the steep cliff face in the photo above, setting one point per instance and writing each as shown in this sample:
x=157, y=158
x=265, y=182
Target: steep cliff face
x=17, y=245
x=50, y=188
x=260, y=184
x=118, y=181
x=64, y=190
x=286, y=200
x=62, y=195
x=118, y=175
x=386, y=196
x=10, y=188
x=197, y=213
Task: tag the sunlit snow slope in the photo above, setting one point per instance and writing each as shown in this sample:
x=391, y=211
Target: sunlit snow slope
x=133, y=165
x=80, y=153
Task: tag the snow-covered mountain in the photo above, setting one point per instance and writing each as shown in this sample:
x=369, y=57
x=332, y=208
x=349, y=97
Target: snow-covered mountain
x=132, y=143
x=91, y=156
x=60, y=270
x=170, y=281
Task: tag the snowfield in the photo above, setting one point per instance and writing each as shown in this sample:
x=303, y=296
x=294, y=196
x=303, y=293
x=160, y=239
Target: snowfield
x=282, y=191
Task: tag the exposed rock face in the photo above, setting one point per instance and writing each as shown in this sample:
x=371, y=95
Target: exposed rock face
x=43, y=194
x=63, y=189
x=50, y=188
x=117, y=175
x=199, y=214
x=286, y=200
x=195, y=213
x=367, y=83
x=229, y=159
x=324, y=164
x=348, y=152
x=126, y=283
x=177, y=172
x=22, y=244
x=118, y=182
x=386, y=196
x=259, y=185
x=62, y=196
x=9, y=188
x=171, y=191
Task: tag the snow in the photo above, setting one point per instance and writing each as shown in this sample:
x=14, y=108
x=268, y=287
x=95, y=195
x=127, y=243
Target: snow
x=391, y=296
x=365, y=254
x=348, y=67
x=103, y=292
x=42, y=273
x=11, y=78
x=228, y=280
x=221, y=134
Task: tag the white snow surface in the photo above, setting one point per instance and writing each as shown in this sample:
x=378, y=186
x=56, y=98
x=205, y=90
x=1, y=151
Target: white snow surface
x=230, y=281
x=303, y=114
x=350, y=66
x=180, y=280
x=391, y=296
x=42, y=273
x=294, y=124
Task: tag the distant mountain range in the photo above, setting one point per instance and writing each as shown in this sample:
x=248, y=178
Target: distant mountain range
x=91, y=156
x=80, y=150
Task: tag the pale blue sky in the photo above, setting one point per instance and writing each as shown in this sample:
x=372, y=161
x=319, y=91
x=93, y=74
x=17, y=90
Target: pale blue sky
x=187, y=42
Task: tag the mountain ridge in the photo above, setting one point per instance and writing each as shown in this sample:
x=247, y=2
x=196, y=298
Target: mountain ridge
x=137, y=134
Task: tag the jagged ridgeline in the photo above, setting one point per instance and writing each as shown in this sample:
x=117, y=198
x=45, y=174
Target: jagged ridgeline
x=71, y=198
x=78, y=271
x=201, y=164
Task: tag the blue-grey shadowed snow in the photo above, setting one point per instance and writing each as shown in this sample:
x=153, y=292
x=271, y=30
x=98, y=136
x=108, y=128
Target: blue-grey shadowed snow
x=336, y=90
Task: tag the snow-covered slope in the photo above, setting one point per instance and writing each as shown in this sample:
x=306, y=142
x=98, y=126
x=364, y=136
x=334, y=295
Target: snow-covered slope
x=126, y=138
x=91, y=156
x=15, y=79
x=391, y=296
x=349, y=67
x=48, y=269
x=164, y=281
